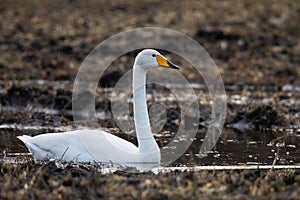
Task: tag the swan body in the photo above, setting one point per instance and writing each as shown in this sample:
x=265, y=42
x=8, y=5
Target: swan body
x=103, y=147
x=72, y=146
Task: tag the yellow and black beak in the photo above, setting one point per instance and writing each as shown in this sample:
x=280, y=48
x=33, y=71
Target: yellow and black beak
x=163, y=61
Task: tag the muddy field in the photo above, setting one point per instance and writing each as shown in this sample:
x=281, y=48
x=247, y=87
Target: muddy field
x=255, y=44
x=67, y=181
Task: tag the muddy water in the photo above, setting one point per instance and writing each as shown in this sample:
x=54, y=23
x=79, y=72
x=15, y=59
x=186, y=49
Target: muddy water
x=264, y=139
x=233, y=148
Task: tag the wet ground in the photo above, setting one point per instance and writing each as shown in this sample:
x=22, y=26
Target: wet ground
x=255, y=45
x=259, y=128
x=69, y=181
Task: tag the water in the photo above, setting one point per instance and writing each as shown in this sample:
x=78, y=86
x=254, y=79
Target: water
x=233, y=147
x=238, y=145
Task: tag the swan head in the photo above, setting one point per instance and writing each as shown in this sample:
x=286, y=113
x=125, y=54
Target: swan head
x=150, y=58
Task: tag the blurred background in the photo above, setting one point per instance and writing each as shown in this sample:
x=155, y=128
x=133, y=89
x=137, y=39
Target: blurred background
x=255, y=44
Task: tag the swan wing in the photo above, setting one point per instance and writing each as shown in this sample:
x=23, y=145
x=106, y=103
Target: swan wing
x=66, y=146
x=105, y=147
x=81, y=146
x=89, y=146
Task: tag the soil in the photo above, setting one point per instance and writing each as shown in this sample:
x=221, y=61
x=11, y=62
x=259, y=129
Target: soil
x=256, y=46
x=51, y=180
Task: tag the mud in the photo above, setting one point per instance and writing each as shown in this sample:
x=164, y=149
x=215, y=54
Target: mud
x=254, y=44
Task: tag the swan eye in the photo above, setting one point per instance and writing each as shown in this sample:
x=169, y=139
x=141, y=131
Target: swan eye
x=153, y=55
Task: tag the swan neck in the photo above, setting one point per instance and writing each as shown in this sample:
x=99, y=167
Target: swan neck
x=141, y=118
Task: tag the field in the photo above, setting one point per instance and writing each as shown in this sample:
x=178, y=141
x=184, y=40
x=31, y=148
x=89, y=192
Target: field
x=255, y=45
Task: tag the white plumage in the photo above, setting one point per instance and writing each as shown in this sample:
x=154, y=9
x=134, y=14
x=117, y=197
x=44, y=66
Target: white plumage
x=100, y=146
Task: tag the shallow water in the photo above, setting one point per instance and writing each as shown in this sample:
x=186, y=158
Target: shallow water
x=232, y=148
x=239, y=144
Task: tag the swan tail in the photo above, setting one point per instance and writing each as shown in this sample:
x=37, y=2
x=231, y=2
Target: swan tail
x=37, y=152
x=24, y=138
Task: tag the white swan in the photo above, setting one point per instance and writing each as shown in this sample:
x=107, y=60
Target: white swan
x=100, y=146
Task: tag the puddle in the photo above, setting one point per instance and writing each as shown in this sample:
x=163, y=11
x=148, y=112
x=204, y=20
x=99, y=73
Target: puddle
x=243, y=142
x=232, y=148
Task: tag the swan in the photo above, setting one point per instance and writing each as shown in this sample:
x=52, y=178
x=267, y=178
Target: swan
x=100, y=146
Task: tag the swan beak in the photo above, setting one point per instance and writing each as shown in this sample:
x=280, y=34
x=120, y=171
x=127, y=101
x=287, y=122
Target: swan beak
x=163, y=61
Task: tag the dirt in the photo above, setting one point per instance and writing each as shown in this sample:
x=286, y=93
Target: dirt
x=68, y=181
x=256, y=46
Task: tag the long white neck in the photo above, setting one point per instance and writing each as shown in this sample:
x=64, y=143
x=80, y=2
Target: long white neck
x=145, y=138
